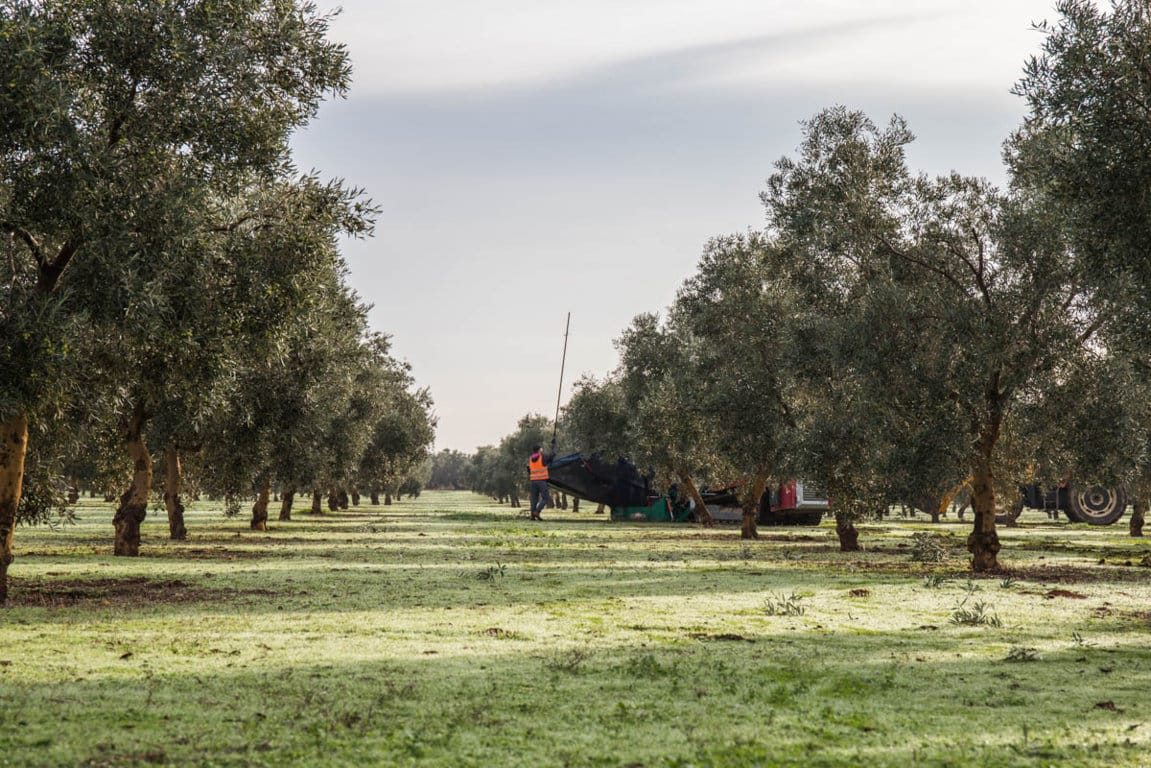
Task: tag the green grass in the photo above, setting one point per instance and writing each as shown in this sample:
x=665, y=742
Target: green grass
x=447, y=631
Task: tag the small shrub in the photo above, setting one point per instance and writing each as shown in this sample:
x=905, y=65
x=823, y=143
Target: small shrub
x=934, y=580
x=1008, y=583
x=493, y=572
x=1080, y=641
x=1019, y=653
x=928, y=548
x=780, y=605
x=569, y=660
x=979, y=614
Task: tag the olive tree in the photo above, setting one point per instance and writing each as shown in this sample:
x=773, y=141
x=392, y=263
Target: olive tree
x=738, y=311
x=669, y=424
x=994, y=308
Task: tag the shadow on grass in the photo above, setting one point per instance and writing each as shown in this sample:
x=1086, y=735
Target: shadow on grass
x=900, y=699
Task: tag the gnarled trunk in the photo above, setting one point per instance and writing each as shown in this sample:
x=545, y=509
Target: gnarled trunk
x=702, y=516
x=317, y=501
x=848, y=534
x=748, y=528
x=983, y=542
x=375, y=498
x=599, y=509
x=355, y=497
x=13, y=449
x=286, y=500
x=134, y=502
x=260, y=508
x=575, y=504
x=1138, y=512
x=387, y=498
x=173, y=480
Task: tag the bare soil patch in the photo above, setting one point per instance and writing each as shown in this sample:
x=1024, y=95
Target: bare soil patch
x=723, y=637
x=127, y=592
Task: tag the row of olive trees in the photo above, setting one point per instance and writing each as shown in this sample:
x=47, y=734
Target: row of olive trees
x=170, y=281
x=889, y=334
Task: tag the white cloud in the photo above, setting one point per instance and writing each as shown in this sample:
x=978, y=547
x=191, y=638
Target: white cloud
x=404, y=46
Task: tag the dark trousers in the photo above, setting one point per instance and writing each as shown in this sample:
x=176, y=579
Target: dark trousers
x=540, y=497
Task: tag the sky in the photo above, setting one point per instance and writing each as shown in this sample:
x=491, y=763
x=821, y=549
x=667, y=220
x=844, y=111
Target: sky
x=533, y=158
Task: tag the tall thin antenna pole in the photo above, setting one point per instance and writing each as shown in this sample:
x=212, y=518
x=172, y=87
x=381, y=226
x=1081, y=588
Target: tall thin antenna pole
x=559, y=394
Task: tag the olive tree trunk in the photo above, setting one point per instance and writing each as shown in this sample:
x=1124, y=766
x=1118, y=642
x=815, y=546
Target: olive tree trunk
x=13, y=449
x=286, y=499
x=702, y=516
x=317, y=502
x=260, y=508
x=1138, y=512
x=173, y=483
x=983, y=542
x=134, y=502
x=847, y=532
x=748, y=528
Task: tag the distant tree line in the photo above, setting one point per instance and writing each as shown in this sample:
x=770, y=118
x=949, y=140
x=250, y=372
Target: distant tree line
x=171, y=287
x=888, y=334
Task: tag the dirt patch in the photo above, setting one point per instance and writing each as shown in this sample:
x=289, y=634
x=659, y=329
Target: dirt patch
x=1051, y=594
x=128, y=592
x=1071, y=574
x=212, y=553
x=725, y=637
x=502, y=634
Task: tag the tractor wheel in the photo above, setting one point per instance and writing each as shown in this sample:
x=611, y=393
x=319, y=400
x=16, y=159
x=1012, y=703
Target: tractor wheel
x=1011, y=514
x=1097, y=505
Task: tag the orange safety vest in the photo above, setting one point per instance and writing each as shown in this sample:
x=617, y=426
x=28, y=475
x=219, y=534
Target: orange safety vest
x=537, y=468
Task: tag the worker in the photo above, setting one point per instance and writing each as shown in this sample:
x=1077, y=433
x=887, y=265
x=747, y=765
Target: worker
x=538, y=472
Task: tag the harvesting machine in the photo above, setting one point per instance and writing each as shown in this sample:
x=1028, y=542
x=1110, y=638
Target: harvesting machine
x=630, y=495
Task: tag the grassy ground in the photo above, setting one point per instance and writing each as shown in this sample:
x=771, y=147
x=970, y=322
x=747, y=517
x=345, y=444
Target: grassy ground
x=447, y=631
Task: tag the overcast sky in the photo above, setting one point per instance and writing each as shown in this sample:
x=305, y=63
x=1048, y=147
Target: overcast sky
x=535, y=157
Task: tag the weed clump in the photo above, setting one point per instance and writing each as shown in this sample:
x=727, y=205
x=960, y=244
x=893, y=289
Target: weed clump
x=781, y=605
x=569, y=660
x=978, y=615
x=491, y=573
x=928, y=548
x=1020, y=653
